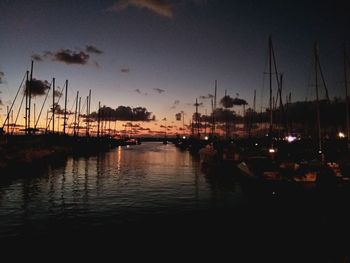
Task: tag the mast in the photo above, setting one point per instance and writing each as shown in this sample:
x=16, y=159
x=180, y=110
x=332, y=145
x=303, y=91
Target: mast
x=47, y=118
x=183, y=122
x=87, y=114
x=215, y=91
x=65, y=109
x=346, y=98
x=270, y=82
x=53, y=105
x=26, y=108
x=8, y=120
x=30, y=94
x=98, y=119
x=12, y=123
x=317, y=99
x=79, y=116
x=197, y=119
x=34, y=115
x=75, y=114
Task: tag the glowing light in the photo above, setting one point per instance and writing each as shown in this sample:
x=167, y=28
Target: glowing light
x=184, y=137
x=256, y=144
x=272, y=150
x=206, y=138
x=128, y=146
x=290, y=138
x=341, y=135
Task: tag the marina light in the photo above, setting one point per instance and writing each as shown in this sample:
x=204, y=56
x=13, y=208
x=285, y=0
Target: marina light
x=290, y=138
x=341, y=135
x=272, y=150
x=206, y=138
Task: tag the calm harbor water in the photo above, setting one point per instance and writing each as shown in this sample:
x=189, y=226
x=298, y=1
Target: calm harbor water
x=155, y=187
x=125, y=185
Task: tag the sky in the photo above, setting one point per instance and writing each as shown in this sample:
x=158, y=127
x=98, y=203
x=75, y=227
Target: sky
x=163, y=54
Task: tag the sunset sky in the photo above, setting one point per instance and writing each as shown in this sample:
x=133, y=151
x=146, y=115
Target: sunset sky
x=162, y=55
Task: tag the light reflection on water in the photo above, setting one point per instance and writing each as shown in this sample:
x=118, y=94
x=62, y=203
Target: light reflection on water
x=119, y=186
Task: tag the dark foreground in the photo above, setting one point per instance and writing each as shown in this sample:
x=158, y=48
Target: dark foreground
x=166, y=208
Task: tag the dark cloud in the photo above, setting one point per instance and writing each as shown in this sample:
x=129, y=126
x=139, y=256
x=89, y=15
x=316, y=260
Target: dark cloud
x=2, y=75
x=58, y=93
x=159, y=90
x=137, y=91
x=125, y=70
x=222, y=115
x=124, y=113
x=38, y=87
x=239, y=102
x=227, y=102
x=1, y=102
x=93, y=49
x=159, y=7
x=71, y=57
x=60, y=111
x=37, y=57
x=132, y=125
x=178, y=116
x=65, y=56
x=209, y=96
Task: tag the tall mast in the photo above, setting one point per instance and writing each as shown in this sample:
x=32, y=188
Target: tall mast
x=8, y=120
x=214, y=108
x=87, y=116
x=26, y=108
x=34, y=115
x=346, y=98
x=53, y=105
x=75, y=114
x=317, y=99
x=30, y=94
x=197, y=118
x=270, y=81
x=98, y=119
x=47, y=118
x=65, y=109
x=78, y=126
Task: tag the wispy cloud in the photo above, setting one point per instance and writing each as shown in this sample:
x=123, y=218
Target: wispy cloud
x=159, y=90
x=2, y=75
x=93, y=49
x=125, y=70
x=176, y=103
x=159, y=7
x=209, y=96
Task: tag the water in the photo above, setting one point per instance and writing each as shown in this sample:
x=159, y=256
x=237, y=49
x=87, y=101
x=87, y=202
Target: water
x=123, y=186
x=152, y=188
